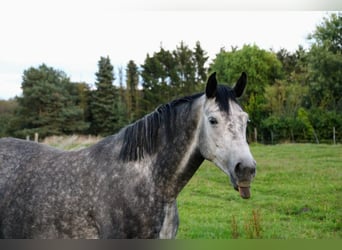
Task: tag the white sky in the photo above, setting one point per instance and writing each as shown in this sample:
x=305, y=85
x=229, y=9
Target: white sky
x=73, y=35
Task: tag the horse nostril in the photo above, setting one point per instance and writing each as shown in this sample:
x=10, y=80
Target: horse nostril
x=252, y=171
x=238, y=168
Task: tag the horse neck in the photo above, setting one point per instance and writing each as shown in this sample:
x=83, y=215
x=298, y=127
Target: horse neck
x=179, y=157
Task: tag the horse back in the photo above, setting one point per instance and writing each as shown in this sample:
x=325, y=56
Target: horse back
x=17, y=156
x=21, y=163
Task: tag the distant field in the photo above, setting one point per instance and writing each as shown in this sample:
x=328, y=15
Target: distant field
x=73, y=142
x=297, y=193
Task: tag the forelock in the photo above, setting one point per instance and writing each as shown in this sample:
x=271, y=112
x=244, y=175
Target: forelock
x=224, y=95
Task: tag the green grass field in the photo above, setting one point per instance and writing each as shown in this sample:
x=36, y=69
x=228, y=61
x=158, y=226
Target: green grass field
x=297, y=193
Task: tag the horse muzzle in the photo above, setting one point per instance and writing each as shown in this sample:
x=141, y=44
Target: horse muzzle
x=244, y=176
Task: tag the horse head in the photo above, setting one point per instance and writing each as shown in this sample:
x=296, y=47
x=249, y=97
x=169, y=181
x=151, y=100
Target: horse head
x=222, y=136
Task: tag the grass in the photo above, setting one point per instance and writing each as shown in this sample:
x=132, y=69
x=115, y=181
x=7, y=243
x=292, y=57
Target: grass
x=297, y=194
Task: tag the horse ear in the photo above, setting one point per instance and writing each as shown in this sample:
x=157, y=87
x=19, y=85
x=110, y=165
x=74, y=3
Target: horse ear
x=240, y=85
x=210, y=89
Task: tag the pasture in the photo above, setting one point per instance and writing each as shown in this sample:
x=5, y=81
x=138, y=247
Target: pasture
x=297, y=194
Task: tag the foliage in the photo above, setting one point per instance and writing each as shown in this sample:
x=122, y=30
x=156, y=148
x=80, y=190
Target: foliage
x=324, y=122
x=290, y=96
x=106, y=110
x=132, y=91
x=48, y=104
x=307, y=101
x=7, y=109
x=325, y=64
x=262, y=68
x=308, y=129
x=170, y=74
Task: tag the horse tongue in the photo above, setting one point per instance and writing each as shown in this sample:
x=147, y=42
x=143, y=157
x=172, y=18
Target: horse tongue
x=244, y=192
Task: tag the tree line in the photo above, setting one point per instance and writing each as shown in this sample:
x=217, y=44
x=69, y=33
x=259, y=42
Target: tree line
x=291, y=96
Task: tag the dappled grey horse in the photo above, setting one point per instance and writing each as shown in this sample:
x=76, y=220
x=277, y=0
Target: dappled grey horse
x=126, y=185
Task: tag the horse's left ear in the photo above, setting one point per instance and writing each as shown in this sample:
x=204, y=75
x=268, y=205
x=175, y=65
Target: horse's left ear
x=240, y=85
x=211, y=87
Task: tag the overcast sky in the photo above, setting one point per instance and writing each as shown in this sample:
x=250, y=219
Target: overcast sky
x=73, y=35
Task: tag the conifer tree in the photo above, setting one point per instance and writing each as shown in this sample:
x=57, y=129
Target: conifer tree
x=185, y=68
x=171, y=74
x=155, y=90
x=199, y=59
x=103, y=104
x=132, y=92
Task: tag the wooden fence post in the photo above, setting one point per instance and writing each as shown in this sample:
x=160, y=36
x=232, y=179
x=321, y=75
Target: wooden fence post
x=36, y=136
x=316, y=138
x=255, y=135
x=334, y=135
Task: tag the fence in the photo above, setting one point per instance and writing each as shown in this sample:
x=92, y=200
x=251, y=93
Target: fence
x=36, y=137
x=275, y=137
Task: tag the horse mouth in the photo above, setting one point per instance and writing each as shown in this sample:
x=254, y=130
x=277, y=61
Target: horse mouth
x=244, y=189
x=245, y=192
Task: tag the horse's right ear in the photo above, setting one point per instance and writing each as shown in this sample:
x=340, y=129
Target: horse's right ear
x=210, y=89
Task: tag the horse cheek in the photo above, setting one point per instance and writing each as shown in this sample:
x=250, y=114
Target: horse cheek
x=204, y=146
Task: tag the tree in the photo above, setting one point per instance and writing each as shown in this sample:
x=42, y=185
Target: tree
x=288, y=61
x=199, y=59
x=155, y=89
x=82, y=96
x=7, y=109
x=329, y=33
x=132, y=92
x=105, y=106
x=48, y=104
x=168, y=75
x=262, y=68
x=325, y=64
x=286, y=96
x=308, y=129
x=185, y=69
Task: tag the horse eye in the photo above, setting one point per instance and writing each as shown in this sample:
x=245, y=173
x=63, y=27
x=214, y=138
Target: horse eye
x=213, y=120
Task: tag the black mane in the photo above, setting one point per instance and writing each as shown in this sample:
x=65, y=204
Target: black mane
x=142, y=136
